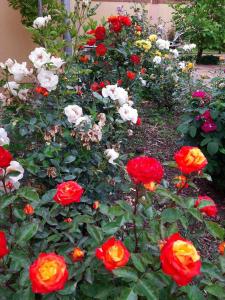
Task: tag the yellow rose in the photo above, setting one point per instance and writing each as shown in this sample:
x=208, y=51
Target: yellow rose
x=153, y=37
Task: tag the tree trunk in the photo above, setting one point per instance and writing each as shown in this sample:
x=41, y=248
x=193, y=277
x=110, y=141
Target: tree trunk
x=67, y=35
x=199, y=54
x=40, y=8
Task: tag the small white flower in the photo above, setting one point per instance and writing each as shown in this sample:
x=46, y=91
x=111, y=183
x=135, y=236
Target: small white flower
x=7, y=64
x=130, y=132
x=189, y=47
x=111, y=155
x=128, y=113
x=41, y=22
x=12, y=87
x=175, y=53
x=57, y=62
x=4, y=140
x=182, y=65
x=22, y=94
x=73, y=113
x=143, y=82
x=48, y=79
x=162, y=44
x=39, y=57
x=157, y=60
x=15, y=166
x=19, y=71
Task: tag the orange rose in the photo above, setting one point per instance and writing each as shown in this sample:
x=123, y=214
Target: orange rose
x=68, y=192
x=151, y=186
x=221, y=248
x=113, y=253
x=96, y=205
x=77, y=254
x=48, y=273
x=28, y=209
x=190, y=159
x=180, y=259
x=181, y=182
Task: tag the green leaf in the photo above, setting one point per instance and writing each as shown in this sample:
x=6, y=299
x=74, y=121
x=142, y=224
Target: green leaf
x=222, y=263
x=29, y=194
x=216, y=290
x=215, y=229
x=26, y=232
x=212, y=148
x=192, y=131
x=69, y=159
x=126, y=273
x=171, y=215
x=136, y=259
x=128, y=294
x=196, y=214
x=144, y=289
x=95, y=232
x=193, y=292
x=6, y=200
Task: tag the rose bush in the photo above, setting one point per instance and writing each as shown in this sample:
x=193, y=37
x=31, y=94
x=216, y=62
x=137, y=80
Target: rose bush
x=203, y=126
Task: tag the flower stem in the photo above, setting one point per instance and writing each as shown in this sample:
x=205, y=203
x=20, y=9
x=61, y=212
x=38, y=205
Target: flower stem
x=135, y=225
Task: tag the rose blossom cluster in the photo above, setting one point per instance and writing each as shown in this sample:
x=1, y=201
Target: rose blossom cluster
x=208, y=124
x=83, y=127
x=11, y=171
x=47, y=66
x=120, y=96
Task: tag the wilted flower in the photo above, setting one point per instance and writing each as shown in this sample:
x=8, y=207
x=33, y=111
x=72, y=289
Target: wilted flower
x=19, y=71
x=4, y=140
x=22, y=94
x=12, y=87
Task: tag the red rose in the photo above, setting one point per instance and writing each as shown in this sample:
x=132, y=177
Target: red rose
x=95, y=87
x=209, y=126
x=190, y=159
x=138, y=28
x=221, y=248
x=68, y=192
x=125, y=20
x=77, y=254
x=180, y=259
x=91, y=31
x=42, y=91
x=113, y=253
x=91, y=42
x=144, y=169
x=101, y=50
x=131, y=75
x=101, y=85
x=119, y=82
x=100, y=33
x=84, y=59
x=3, y=245
x=28, y=209
x=139, y=121
x=48, y=273
x=135, y=59
x=143, y=71
x=209, y=208
x=5, y=157
x=115, y=23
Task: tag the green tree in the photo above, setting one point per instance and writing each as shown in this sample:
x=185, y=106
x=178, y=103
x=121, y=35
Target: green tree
x=202, y=22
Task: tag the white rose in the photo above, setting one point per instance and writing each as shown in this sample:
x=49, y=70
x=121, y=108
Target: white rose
x=121, y=95
x=15, y=166
x=22, y=94
x=110, y=91
x=157, y=60
x=128, y=113
x=41, y=22
x=12, y=87
x=39, y=57
x=162, y=44
x=111, y=155
x=189, y=47
x=4, y=140
x=48, y=80
x=57, y=62
x=19, y=71
x=143, y=82
x=73, y=113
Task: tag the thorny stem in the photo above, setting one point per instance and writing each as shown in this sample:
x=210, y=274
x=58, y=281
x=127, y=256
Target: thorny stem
x=135, y=226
